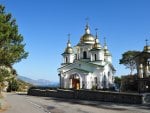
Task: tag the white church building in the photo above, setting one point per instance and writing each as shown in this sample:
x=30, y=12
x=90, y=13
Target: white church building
x=87, y=65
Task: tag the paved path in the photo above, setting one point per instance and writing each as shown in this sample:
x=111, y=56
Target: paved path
x=31, y=104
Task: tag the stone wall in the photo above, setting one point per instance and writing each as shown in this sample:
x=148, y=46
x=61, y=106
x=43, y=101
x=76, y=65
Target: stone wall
x=105, y=96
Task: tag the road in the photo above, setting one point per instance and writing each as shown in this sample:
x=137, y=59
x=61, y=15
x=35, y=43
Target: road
x=19, y=103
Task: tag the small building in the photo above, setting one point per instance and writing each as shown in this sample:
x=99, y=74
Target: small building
x=87, y=65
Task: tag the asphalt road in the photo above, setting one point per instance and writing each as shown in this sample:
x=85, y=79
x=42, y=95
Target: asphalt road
x=19, y=103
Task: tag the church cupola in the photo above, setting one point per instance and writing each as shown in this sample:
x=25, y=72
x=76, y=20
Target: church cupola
x=87, y=38
x=87, y=29
x=68, y=53
x=107, y=54
x=96, y=51
x=147, y=47
x=68, y=49
x=96, y=44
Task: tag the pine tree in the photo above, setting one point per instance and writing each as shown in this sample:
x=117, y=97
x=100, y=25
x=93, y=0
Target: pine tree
x=11, y=43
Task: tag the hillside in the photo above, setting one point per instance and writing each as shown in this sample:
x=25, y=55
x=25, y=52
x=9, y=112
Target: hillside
x=39, y=82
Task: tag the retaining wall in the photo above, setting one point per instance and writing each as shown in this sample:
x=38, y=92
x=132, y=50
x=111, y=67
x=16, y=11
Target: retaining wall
x=117, y=97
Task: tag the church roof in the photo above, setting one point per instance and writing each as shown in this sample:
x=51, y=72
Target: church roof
x=80, y=62
x=77, y=69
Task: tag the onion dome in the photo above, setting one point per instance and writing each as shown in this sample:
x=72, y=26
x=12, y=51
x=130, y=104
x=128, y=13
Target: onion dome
x=87, y=37
x=96, y=44
x=68, y=49
x=106, y=51
x=147, y=47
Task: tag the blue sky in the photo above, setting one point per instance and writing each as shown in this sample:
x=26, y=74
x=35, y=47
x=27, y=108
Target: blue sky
x=46, y=23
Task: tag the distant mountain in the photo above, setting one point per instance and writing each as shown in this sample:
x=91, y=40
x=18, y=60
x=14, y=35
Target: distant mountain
x=39, y=82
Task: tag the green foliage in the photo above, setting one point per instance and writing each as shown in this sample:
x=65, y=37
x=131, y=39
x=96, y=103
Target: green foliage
x=17, y=85
x=11, y=46
x=3, y=75
x=128, y=61
x=13, y=85
x=23, y=86
x=117, y=81
x=94, y=87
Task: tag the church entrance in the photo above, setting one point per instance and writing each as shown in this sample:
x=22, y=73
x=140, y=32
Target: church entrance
x=75, y=81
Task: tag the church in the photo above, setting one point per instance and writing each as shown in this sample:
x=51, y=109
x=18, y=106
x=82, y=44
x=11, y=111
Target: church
x=87, y=65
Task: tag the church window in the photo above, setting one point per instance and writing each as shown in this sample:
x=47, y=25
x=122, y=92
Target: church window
x=84, y=55
x=66, y=59
x=95, y=57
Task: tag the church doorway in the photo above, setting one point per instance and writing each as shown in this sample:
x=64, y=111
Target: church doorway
x=75, y=81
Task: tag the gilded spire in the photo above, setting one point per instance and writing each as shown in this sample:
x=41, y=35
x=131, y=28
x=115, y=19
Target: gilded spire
x=146, y=42
x=96, y=44
x=68, y=49
x=87, y=29
x=69, y=43
x=96, y=32
x=105, y=45
x=104, y=41
x=106, y=51
x=87, y=20
x=147, y=47
x=96, y=40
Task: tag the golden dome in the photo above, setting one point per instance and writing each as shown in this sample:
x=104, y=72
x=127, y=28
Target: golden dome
x=86, y=38
x=68, y=50
x=146, y=48
x=107, y=53
x=97, y=46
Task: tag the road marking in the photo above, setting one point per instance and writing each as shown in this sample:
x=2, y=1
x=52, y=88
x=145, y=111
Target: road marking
x=37, y=105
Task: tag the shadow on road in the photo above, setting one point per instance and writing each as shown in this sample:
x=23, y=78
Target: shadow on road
x=97, y=104
x=103, y=105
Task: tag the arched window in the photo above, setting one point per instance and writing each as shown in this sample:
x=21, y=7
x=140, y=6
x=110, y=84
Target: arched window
x=66, y=59
x=84, y=55
x=95, y=57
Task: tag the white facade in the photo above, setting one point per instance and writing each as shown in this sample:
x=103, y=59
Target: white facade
x=87, y=65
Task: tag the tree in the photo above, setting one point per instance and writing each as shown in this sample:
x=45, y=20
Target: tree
x=11, y=44
x=13, y=85
x=117, y=81
x=3, y=75
x=128, y=61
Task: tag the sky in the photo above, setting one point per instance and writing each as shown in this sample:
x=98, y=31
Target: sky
x=45, y=24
